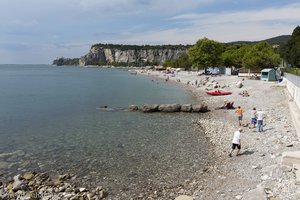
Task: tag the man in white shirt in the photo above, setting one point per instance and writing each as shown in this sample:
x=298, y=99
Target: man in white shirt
x=260, y=117
x=236, y=142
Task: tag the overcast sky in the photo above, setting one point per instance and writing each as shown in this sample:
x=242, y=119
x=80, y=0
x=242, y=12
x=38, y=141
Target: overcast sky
x=37, y=31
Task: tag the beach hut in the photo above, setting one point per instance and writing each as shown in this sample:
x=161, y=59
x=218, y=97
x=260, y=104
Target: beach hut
x=268, y=75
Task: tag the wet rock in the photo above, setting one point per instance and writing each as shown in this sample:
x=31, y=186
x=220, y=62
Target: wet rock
x=3, y=165
x=133, y=108
x=46, y=189
x=103, y=194
x=28, y=175
x=200, y=108
x=169, y=107
x=18, y=184
x=82, y=189
x=64, y=177
x=186, y=108
x=149, y=108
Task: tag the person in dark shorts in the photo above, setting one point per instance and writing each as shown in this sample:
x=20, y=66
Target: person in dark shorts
x=236, y=142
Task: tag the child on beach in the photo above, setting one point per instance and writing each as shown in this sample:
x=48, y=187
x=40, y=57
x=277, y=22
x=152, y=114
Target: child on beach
x=236, y=142
x=239, y=111
x=253, y=118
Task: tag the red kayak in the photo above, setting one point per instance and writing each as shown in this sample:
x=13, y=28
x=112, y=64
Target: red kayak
x=218, y=92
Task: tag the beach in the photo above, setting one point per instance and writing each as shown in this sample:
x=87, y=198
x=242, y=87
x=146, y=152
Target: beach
x=257, y=173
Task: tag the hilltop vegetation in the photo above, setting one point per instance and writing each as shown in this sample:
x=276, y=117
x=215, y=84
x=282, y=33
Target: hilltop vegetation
x=275, y=40
x=124, y=47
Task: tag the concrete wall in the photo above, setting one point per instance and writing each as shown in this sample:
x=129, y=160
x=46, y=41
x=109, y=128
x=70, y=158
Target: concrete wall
x=293, y=87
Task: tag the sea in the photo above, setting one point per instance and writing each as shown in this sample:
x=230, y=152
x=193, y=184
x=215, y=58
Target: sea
x=52, y=121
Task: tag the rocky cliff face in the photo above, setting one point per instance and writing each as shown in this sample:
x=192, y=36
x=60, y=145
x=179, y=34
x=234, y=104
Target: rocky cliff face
x=133, y=57
x=126, y=55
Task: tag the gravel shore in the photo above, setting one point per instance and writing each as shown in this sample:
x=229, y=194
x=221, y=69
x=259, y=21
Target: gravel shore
x=257, y=173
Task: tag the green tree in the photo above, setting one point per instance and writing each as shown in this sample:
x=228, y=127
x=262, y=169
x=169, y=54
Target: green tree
x=291, y=51
x=234, y=54
x=183, y=62
x=205, y=53
x=169, y=63
x=260, y=56
x=240, y=54
x=229, y=56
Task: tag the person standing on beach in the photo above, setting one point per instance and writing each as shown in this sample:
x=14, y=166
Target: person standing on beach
x=253, y=118
x=260, y=117
x=239, y=111
x=236, y=142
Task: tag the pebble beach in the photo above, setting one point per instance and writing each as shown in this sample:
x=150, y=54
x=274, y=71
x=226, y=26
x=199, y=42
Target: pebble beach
x=258, y=172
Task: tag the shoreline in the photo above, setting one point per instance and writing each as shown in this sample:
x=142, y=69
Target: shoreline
x=257, y=173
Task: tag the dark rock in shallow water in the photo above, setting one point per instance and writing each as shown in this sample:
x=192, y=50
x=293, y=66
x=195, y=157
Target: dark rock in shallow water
x=149, y=108
x=186, y=108
x=28, y=175
x=169, y=107
x=40, y=187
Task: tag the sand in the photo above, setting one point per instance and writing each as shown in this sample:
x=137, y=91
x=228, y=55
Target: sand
x=257, y=173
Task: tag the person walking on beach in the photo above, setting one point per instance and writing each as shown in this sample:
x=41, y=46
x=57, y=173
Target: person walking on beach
x=260, y=117
x=253, y=118
x=236, y=142
x=239, y=111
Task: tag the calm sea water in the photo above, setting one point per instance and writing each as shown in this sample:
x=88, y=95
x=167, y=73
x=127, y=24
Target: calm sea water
x=49, y=122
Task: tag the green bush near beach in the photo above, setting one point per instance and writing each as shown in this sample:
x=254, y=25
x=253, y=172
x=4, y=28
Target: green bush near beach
x=292, y=70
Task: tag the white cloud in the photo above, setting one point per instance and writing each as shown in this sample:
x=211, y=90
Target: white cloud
x=290, y=13
x=242, y=25
x=130, y=7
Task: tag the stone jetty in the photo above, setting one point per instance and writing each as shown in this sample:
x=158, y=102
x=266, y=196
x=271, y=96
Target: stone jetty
x=169, y=108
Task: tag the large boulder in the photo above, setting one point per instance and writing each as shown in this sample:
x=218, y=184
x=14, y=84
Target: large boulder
x=239, y=84
x=132, y=108
x=149, y=108
x=169, y=108
x=186, y=108
x=200, y=108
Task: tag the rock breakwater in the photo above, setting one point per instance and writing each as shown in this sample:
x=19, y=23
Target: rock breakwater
x=169, y=108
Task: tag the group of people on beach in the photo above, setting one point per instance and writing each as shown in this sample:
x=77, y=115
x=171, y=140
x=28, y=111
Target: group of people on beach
x=257, y=117
x=244, y=93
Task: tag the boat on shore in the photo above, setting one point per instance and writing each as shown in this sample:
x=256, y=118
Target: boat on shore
x=218, y=93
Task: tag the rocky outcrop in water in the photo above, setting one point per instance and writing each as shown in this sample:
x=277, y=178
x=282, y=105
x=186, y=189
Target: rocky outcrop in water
x=126, y=55
x=65, y=61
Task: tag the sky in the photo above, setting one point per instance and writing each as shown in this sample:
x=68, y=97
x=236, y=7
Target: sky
x=38, y=31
